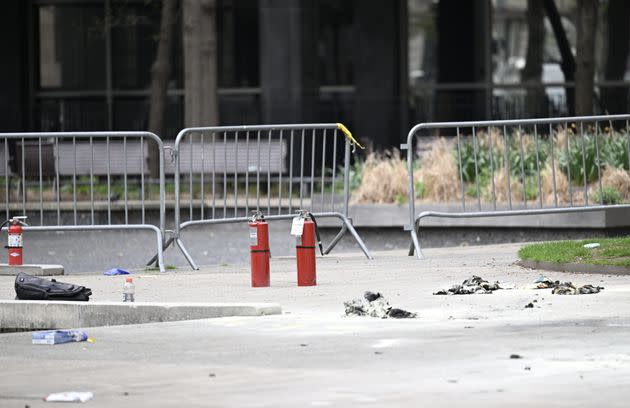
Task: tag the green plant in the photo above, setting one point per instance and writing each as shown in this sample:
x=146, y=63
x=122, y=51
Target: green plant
x=419, y=188
x=616, y=151
x=609, y=196
x=581, y=161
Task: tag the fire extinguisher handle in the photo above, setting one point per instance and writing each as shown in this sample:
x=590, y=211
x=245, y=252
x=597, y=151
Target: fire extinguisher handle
x=319, y=240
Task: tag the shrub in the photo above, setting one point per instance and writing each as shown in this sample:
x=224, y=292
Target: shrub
x=580, y=164
x=609, y=195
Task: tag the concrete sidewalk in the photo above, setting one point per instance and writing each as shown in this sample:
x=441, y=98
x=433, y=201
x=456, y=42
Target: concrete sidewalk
x=457, y=352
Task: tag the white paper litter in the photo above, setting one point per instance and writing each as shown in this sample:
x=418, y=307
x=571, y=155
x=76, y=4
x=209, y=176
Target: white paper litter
x=71, y=396
x=591, y=246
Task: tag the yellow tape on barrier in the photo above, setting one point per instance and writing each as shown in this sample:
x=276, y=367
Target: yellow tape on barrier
x=346, y=132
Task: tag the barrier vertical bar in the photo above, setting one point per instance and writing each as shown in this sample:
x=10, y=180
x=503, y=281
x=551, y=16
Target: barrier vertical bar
x=584, y=163
x=23, y=178
x=599, y=171
x=269, y=172
x=203, y=171
x=190, y=178
x=6, y=177
x=109, y=185
x=346, y=177
x=474, y=136
x=142, y=178
x=74, y=180
x=334, y=170
x=236, y=173
x=281, y=167
x=494, y=191
x=57, y=180
x=461, y=169
x=214, y=171
x=523, y=178
x=224, y=174
x=125, y=179
x=247, y=173
x=566, y=130
x=302, y=169
x=323, y=170
x=41, y=182
x=258, y=173
x=291, y=173
x=540, y=203
x=508, y=165
x=92, y=180
x=553, y=165
x=312, y=168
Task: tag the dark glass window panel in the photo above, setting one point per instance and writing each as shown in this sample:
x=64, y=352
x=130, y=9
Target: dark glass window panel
x=237, y=29
x=71, y=46
x=335, y=42
x=132, y=113
x=135, y=34
x=72, y=115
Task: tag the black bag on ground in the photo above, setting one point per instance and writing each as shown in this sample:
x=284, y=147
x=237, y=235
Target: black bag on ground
x=29, y=287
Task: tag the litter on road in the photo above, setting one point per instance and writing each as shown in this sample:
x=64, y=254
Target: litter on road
x=565, y=288
x=59, y=336
x=71, y=396
x=375, y=305
x=470, y=286
x=115, y=271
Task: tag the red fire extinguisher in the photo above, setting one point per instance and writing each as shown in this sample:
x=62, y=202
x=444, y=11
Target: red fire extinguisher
x=305, y=229
x=259, y=249
x=15, y=244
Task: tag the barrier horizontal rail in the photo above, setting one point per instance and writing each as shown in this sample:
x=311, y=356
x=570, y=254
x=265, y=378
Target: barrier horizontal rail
x=223, y=172
x=529, y=166
x=56, y=171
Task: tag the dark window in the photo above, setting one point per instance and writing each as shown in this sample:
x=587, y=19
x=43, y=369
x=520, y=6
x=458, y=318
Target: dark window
x=135, y=34
x=335, y=42
x=71, y=47
x=237, y=30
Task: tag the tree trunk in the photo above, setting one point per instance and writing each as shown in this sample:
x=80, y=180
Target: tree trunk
x=585, y=58
x=615, y=100
x=531, y=75
x=568, y=61
x=160, y=73
x=200, y=63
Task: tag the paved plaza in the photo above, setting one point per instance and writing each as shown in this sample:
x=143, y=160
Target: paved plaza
x=573, y=349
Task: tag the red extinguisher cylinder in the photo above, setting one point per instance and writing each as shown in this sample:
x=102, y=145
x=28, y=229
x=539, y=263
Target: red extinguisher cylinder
x=305, y=255
x=15, y=245
x=259, y=252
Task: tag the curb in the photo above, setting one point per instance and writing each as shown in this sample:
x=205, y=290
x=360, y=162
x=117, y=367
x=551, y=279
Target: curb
x=33, y=314
x=31, y=269
x=575, y=268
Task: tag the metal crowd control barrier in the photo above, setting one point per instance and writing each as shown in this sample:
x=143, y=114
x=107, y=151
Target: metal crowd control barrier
x=75, y=176
x=230, y=170
x=520, y=161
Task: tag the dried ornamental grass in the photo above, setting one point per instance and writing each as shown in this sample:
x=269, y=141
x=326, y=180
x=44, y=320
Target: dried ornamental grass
x=618, y=179
x=439, y=173
x=384, y=179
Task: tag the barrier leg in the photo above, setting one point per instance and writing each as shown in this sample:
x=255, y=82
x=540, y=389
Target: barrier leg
x=335, y=240
x=357, y=238
x=415, y=243
x=182, y=248
x=154, y=260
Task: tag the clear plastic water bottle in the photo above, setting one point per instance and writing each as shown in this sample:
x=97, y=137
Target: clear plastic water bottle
x=129, y=290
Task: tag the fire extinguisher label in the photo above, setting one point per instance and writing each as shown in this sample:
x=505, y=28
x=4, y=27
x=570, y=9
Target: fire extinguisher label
x=15, y=240
x=253, y=237
x=297, y=226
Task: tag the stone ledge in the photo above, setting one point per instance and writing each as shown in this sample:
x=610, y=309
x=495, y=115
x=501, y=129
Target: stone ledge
x=32, y=314
x=31, y=269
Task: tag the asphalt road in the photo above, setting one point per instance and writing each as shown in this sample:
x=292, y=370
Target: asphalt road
x=457, y=352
